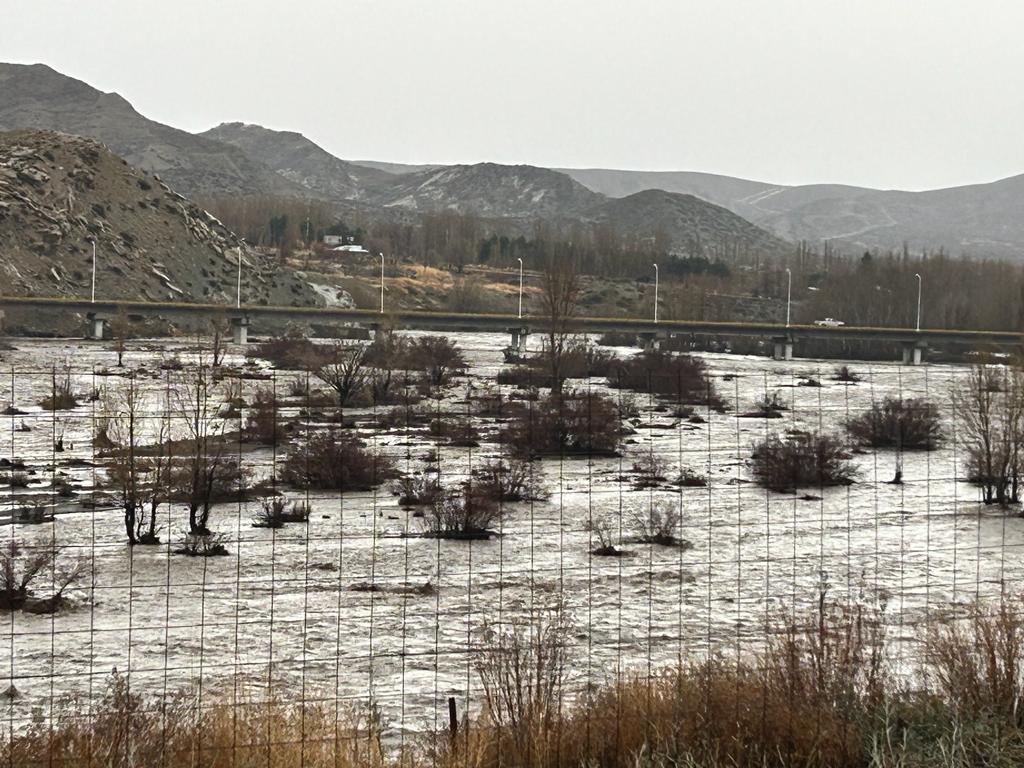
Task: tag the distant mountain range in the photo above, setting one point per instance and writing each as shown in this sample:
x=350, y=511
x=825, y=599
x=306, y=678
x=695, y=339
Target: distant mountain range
x=696, y=212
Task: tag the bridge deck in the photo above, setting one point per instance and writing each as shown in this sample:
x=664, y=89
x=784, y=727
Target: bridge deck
x=502, y=322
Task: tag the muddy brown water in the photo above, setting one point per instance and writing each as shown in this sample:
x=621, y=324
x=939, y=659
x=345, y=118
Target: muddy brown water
x=278, y=613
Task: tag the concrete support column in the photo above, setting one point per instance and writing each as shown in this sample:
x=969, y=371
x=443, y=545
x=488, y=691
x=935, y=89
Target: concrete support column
x=782, y=348
x=518, y=339
x=97, y=327
x=3, y=316
x=240, y=330
x=912, y=352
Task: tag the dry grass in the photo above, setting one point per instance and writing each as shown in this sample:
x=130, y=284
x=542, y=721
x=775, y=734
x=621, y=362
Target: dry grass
x=127, y=732
x=820, y=694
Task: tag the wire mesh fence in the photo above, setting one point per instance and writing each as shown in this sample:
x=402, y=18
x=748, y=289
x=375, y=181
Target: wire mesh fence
x=460, y=553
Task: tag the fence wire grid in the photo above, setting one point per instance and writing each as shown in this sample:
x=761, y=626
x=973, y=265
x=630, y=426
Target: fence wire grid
x=363, y=607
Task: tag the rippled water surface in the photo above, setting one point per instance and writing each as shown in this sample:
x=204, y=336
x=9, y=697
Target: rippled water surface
x=280, y=611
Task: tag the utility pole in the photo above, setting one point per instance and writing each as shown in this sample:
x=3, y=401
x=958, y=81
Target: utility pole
x=918, y=276
x=382, y=283
x=789, y=292
x=238, y=303
x=520, y=287
x=655, y=293
x=93, y=298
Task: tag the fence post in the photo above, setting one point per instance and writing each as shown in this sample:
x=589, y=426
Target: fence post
x=453, y=719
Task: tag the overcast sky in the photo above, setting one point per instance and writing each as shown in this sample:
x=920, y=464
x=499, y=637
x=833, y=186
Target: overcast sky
x=888, y=93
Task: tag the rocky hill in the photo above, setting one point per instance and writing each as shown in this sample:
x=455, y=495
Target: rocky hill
x=36, y=96
x=693, y=226
x=490, y=190
x=59, y=193
x=302, y=162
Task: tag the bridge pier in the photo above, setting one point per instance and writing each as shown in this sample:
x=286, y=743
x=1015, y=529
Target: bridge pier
x=912, y=352
x=3, y=316
x=240, y=330
x=517, y=340
x=97, y=325
x=653, y=340
x=782, y=348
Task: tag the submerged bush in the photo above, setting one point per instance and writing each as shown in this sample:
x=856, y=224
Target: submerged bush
x=461, y=514
x=680, y=377
x=658, y=524
x=335, y=461
x=897, y=423
x=804, y=459
x=275, y=511
x=509, y=480
x=569, y=423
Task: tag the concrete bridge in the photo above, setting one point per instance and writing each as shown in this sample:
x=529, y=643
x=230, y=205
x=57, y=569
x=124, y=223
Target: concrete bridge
x=784, y=339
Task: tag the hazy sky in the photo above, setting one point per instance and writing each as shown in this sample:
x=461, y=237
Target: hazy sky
x=890, y=93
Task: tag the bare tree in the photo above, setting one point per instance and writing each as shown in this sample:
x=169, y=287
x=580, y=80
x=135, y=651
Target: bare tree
x=119, y=331
x=990, y=410
x=523, y=667
x=206, y=471
x=343, y=368
x=560, y=290
x=122, y=426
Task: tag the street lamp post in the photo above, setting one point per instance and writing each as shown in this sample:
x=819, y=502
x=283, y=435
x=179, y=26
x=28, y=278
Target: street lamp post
x=93, y=297
x=918, y=276
x=238, y=293
x=789, y=292
x=655, y=293
x=382, y=283
x=520, y=288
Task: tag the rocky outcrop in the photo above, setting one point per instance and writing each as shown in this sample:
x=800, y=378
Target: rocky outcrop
x=61, y=194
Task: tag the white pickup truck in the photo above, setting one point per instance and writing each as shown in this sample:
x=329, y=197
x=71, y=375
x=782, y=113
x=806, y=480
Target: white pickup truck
x=829, y=322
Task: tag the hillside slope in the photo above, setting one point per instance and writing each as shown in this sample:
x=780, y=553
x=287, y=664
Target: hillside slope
x=978, y=219
x=693, y=226
x=37, y=97
x=491, y=190
x=301, y=161
x=59, y=192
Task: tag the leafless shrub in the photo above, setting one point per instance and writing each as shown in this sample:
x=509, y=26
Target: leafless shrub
x=680, y=377
x=770, y=406
x=21, y=568
x=603, y=529
x=343, y=369
x=658, y=524
x=461, y=514
x=292, y=350
x=275, y=511
x=523, y=667
x=15, y=479
x=62, y=395
x=977, y=663
x=417, y=490
x=690, y=479
x=897, y=423
x=261, y=422
x=458, y=430
x=509, y=480
x=335, y=461
x=203, y=545
x=805, y=459
x=649, y=470
x=845, y=373
x=438, y=356
x=569, y=423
